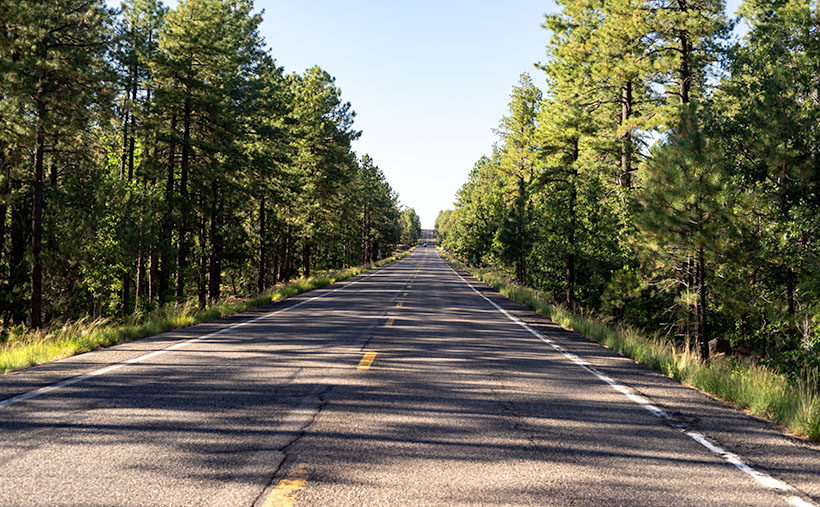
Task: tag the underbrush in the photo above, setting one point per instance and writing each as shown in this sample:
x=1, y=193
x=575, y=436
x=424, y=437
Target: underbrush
x=749, y=385
x=23, y=347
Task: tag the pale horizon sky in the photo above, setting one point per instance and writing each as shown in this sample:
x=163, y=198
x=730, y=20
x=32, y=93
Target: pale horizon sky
x=428, y=79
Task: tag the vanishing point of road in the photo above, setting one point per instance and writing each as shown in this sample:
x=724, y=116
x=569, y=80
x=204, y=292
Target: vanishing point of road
x=412, y=384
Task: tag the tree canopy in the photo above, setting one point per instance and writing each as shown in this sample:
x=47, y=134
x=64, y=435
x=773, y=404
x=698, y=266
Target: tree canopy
x=152, y=155
x=672, y=180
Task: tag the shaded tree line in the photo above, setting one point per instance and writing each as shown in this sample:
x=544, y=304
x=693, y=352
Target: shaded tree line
x=150, y=156
x=666, y=176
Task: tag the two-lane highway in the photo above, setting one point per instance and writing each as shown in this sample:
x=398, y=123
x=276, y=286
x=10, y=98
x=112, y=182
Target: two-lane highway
x=403, y=386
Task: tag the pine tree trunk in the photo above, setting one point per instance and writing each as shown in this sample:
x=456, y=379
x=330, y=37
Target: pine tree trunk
x=133, y=123
x=790, y=288
x=126, y=290
x=689, y=285
x=3, y=213
x=365, y=234
x=203, y=259
x=6, y=178
x=182, y=230
x=215, y=275
x=703, y=327
x=625, y=180
x=287, y=249
x=141, y=271
x=167, y=221
x=37, y=225
x=152, y=273
x=124, y=152
x=18, y=274
x=573, y=197
x=520, y=268
x=3, y=202
x=685, y=74
x=260, y=280
x=306, y=259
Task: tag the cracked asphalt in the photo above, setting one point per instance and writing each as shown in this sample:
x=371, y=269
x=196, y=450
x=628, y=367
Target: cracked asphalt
x=459, y=406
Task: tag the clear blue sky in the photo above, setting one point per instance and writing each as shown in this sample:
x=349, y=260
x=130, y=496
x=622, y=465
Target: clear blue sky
x=429, y=79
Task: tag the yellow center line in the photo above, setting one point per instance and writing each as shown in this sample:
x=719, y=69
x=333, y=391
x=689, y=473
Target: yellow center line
x=284, y=494
x=367, y=360
x=389, y=322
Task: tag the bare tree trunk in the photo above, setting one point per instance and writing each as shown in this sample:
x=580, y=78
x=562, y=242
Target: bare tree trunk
x=573, y=197
x=167, y=220
x=203, y=259
x=306, y=258
x=625, y=179
x=684, y=71
x=133, y=124
x=260, y=280
x=141, y=272
x=152, y=273
x=182, y=230
x=37, y=224
x=703, y=327
x=215, y=275
x=288, y=255
x=124, y=153
x=3, y=202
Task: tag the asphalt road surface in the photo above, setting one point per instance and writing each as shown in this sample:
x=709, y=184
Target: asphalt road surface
x=409, y=385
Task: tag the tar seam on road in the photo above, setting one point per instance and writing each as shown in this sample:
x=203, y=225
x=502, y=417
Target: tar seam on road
x=95, y=373
x=789, y=493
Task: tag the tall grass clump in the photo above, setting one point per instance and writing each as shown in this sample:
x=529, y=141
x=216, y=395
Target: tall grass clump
x=752, y=386
x=21, y=347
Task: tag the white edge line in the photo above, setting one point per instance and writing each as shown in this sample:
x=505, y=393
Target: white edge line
x=762, y=478
x=108, y=369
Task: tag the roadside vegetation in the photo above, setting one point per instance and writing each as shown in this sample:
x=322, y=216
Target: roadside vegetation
x=24, y=347
x=153, y=156
x=665, y=175
x=747, y=384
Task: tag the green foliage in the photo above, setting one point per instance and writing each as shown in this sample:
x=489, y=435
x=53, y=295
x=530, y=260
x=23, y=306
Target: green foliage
x=21, y=347
x=672, y=180
x=761, y=389
x=174, y=160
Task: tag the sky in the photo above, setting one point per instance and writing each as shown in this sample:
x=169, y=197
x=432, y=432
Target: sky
x=428, y=79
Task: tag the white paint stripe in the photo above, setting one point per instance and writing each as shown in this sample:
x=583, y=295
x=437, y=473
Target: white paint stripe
x=108, y=369
x=763, y=479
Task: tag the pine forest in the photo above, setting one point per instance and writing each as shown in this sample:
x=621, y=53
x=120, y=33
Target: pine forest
x=151, y=156
x=662, y=173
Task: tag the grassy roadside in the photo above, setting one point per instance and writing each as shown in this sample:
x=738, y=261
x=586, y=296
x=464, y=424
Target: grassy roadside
x=751, y=386
x=26, y=348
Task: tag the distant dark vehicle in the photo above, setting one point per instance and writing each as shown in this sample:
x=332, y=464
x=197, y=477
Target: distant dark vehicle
x=424, y=244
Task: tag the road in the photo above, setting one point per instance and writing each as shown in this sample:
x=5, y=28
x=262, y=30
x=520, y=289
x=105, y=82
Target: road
x=409, y=385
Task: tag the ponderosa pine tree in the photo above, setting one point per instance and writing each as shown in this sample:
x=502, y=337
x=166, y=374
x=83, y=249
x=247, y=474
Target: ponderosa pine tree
x=56, y=71
x=322, y=156
x=768, y=116
x=688, y=37
x=518, y=162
